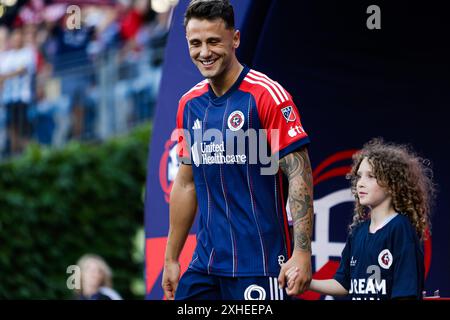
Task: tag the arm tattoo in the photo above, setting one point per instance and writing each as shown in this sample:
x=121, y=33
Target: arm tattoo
x=297, y=167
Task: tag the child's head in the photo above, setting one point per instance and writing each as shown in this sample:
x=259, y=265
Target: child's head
x=395, y=174
x=371, y=192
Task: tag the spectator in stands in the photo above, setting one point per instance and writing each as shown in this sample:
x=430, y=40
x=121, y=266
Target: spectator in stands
x=42, y=116
x=97, y=81
x=18, y=70
x=134, y=19
x=96, y=279
x=3, y=47
x=74, y=69
x=3, y=42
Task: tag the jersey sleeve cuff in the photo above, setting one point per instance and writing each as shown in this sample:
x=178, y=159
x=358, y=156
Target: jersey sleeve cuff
x=293, y=147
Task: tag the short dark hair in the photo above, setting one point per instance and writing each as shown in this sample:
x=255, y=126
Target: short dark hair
x=210, y=10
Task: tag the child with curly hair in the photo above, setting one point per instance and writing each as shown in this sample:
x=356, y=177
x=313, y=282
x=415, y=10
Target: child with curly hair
x=383, y=257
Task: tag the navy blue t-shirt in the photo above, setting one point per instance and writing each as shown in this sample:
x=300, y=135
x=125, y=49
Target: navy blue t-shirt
x=383, y=265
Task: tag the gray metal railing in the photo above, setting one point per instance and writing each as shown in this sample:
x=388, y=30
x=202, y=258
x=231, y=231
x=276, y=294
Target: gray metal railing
x=90, y=99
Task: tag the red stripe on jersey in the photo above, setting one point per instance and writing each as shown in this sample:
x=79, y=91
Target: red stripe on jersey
x=274, y=89
x=282, y=128
x=261, y=88
x=196, y=91
x=285, y=94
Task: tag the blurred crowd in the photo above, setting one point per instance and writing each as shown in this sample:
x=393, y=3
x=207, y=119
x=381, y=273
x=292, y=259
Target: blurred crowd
x=61, y=81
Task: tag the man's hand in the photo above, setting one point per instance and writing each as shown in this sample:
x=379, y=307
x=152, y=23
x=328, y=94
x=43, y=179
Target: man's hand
x=296, y=273
x=171, y=276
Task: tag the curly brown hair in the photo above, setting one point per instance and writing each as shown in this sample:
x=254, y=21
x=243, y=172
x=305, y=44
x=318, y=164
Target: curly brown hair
x=407, y=177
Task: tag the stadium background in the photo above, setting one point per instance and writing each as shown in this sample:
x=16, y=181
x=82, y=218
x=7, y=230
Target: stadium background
x=350, y=84
x=75, y=183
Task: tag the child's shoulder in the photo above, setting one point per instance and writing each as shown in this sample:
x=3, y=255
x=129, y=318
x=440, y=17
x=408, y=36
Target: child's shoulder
x=402, y=225
x=401, y=221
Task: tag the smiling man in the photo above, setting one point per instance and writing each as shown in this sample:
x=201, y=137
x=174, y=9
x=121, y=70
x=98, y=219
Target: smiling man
x=244, y=246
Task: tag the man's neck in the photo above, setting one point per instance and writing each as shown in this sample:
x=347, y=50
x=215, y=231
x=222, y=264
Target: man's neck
x=222, y=85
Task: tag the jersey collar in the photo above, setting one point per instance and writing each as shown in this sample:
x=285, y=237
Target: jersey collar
x=234, y=87
x=385, y=222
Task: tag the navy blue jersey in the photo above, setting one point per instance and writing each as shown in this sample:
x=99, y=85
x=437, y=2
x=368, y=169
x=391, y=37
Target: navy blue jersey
x=243, y=229
x=383, y=265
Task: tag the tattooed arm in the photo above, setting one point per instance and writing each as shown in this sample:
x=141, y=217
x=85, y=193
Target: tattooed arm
x=297, y=168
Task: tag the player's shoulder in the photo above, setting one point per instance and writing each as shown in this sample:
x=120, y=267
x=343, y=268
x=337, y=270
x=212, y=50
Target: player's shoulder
x=263, y=87
x=197, y=90
x=401, y=224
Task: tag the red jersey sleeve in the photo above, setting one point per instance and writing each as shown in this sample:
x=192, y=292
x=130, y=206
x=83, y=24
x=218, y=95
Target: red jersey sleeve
x=181, y=135
x=280, y=117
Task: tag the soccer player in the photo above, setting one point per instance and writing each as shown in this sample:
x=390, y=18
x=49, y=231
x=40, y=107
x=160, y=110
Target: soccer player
x=383, y=257
x=243, y=243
